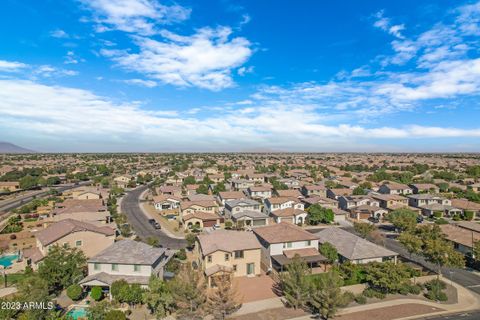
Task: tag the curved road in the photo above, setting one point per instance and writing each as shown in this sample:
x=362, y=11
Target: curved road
x=130, y=206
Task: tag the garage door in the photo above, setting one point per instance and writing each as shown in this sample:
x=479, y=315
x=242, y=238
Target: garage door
x=209, y=223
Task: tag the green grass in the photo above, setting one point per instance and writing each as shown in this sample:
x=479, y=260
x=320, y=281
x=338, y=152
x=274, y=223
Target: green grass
x=14, y=278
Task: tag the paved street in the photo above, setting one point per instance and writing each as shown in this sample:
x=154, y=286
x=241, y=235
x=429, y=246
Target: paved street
x=20, y=201
x=458, y=316
x=139, y=222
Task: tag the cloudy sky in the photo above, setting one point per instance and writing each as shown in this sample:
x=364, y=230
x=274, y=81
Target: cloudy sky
x=224, y=75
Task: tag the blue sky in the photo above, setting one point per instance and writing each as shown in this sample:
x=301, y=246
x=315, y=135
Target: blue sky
x=148, y=75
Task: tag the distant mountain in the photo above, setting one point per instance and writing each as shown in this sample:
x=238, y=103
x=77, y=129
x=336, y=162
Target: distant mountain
x=7, y=147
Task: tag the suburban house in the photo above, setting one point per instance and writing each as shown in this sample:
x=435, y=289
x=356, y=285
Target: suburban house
x=229, y=252
x=256, y=177
x=241, y=184
x=279, y=203
x=291, y=215
x=170, y=191
x=191, y=189
x=390, y=201
x=314, y=190
x=9, y=186
x=189, y=207
x=91, y=210
x=166, y=202
x=292, y=193
x=424, y=188
x=260, y=192
x=349, y=202
x=395, y=188
x=291, y=183
x=353, y=248
x=133, y=261
x=474, y=187
x=87, y=237
x=463, y=235
x=224, y=196
x=421, y=200
x=236, y=206
x=249, y=219
x=467, y=205
x=122, y=181
x=365, y=212
x=440, y=210
x=322, y=201
x=336, y=193
x=281, y=242
x=200, y=220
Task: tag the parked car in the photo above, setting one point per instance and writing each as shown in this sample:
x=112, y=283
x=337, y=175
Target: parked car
x=155, y=224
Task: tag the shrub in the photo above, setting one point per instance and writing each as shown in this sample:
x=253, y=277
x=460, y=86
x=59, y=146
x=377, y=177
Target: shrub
x=74, y=292
x=468, y=215
x=435, y=283
x=228, y=224
x=372, y=293
x=436, y=295
x=360, y=299
x=437, y=214
x=441, y=221
x=181, y=255
x=96, y=293
x=415, y=289
x=115, y=315
x=348, y=297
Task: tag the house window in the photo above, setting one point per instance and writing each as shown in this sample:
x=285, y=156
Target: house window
x=234, y=268
x=308, y=243
x=239, y=254
x=209, y=259
x=78, y=243
x=136, y=268
x=96, y=266
x=114, y=267
x=227, y=256
x=287, y=245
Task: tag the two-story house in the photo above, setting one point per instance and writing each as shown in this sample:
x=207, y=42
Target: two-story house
x=395, y=188
x=230, y=252
x=259, y=192
x=133, y=261
x=314, y=190
x=283, y=241
x=237, y=206
x=279, y=203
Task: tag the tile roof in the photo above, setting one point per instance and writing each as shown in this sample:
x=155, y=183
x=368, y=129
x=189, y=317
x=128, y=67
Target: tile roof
x=129, y=252
x=283, y=232
x=65, y=227
x=287, y=212
x=227, y=240
x=351, y=246
x=202, y=215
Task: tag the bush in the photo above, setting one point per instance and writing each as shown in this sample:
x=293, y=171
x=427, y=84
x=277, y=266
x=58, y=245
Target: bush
x=372, y=293
x=441, y=221
x=435, y=283
x=115, y=315
x=181, y=255
x=228, y=224
x=348, y=297
x=436, y=295
x=468, y=215
x=74, y=292
x=96, y=293
x=360, y=299
x=438, y=214
x=415, y=289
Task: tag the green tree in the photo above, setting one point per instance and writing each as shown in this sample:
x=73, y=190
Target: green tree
x=219, y=187
x=329, y=252
x=295, y=284
x=476, y=250
x=28, y=182
x=223, y=299
x=96, y=293
x=411, y=242
x=35, y=289
x=132, y=294
x=403, y=219
x=189, y=180
x=158, y=298
x=189, y=293
x=387, y=277
x=62, y=267
x=364, y=229
x=98, y=311
x=318, y=214
x=326, y=296
x=359, y=191
x=117, y=288
x=191, y=238
x=74, y=292
x=203, y=189
x=115, y=315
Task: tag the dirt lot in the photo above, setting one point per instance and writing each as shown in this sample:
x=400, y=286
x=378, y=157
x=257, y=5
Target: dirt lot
x=390, y=313
x=273, y=314
x=255, y=288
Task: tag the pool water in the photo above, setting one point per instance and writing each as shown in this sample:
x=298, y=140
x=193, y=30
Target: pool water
x=78, y=313
x=7, y=261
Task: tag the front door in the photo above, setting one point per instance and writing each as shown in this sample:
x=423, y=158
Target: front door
x=250, y=269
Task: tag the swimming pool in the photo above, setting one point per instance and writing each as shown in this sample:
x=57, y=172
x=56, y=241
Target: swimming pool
x=7, y=260
x=78, y=313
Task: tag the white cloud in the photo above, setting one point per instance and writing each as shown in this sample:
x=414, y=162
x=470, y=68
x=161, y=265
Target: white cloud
x=204, y=59
x=82, y=116
x=135, y=16
x=11, y=66
x=244, y=70
x=48, y=71
x=140, y=82
x=385, y=24
x=59, y=33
